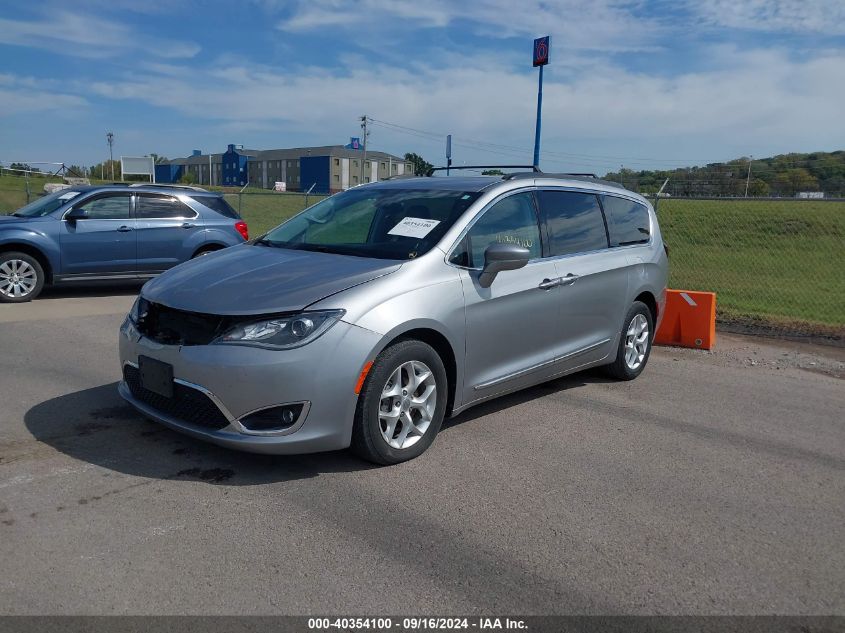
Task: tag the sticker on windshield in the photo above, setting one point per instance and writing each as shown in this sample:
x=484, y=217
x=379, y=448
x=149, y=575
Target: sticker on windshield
x=413, y=227
x=68, y=195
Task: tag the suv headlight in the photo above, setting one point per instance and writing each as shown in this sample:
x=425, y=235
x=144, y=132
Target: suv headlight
x=282, y=332
x=138, y=310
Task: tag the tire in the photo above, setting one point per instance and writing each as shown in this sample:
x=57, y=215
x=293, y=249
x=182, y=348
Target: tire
x=628, y=364
x=21, y=277
x=205, y=250
x=372, y=427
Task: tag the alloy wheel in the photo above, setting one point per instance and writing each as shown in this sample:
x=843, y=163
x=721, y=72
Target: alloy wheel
x=407, y=404
x=636, y=342
x=17, y=278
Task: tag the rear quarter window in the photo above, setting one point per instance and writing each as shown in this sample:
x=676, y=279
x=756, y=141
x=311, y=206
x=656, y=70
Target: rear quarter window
x=218, y=204
x=627, y=220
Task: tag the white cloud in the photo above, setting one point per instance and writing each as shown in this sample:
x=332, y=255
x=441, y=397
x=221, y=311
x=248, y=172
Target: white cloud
x=754, y=99
x=72, y=33
x=25, y=95
x=608, y=25
x=799, y=16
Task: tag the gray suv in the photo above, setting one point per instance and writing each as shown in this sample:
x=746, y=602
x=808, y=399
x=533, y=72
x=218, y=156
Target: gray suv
x=368, y=318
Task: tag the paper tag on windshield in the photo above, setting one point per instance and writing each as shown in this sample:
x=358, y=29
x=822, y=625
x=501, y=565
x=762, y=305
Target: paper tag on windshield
x=68, y=195
x=413, y=227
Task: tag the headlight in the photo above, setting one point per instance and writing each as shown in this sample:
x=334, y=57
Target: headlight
x=138, y=310
x=282, y=332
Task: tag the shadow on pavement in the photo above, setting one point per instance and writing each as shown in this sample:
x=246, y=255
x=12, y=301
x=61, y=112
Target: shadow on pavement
x=96, y=426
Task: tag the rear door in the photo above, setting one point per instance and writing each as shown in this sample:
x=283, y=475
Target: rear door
x=594, y=281
x=104, y=241
x=167, y=229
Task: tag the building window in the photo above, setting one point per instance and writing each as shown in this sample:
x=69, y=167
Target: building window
x=395, y=168
x=382, y=166
x=337, y=162
x=355, y=179
x=354, y=163
x=337, y=178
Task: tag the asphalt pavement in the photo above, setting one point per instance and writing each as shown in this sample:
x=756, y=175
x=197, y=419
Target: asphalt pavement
x=713, y=484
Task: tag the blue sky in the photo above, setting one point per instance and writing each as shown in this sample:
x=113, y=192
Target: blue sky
x=639, y=83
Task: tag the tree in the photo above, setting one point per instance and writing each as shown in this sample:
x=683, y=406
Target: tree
x=492, y=172
x=188, y=178
x=421, y=166
x=159, y=160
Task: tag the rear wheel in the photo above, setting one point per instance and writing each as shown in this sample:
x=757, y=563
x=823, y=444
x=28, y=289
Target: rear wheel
x=21, y=277
x=401, y=405
x=634, y=343
x=205, y=250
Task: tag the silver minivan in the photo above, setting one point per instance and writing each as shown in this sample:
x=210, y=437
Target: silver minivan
x=368, y=318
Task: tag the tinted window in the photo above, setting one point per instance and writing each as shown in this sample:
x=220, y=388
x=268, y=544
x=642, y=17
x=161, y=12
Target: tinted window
x=574, y=221
x=628, y=221
x=219, y=204
x=509, y=221
x=114, y=207
x=161, y=207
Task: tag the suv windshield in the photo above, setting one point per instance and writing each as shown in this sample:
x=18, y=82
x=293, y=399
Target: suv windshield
x=47, y=204
x=374, y=222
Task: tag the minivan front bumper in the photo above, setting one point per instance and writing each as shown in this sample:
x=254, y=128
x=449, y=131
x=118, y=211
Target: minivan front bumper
x=218, y=386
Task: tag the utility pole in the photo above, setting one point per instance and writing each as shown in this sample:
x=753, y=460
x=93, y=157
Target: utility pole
x=748, y=177
x=449, y=151
x=110, y=139
x=364, y=160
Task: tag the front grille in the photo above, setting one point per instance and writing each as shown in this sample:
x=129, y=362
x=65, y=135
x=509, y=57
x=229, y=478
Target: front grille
x=178, y=327
x=187, y=404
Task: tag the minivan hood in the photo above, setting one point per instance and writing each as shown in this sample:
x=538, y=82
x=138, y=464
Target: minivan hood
x=251, y=279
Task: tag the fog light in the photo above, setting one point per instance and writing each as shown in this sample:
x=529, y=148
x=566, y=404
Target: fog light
x=274, y=418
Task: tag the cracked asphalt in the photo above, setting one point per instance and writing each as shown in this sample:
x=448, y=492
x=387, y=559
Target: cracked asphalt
x=713, y=484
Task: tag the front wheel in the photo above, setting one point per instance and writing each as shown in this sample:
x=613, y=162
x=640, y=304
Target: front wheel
x=401, y=405
x=634, y=343
x=21, y=277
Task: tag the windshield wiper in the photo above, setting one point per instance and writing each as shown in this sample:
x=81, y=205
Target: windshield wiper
x=265, y=242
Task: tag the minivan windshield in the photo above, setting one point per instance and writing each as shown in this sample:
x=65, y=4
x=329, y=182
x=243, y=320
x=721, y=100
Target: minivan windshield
x=47, y=204
x=374, y=222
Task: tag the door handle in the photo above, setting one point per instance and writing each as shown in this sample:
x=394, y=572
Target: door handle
x=188, y=225
x=548, y=284
x=568, y=280
x=124, y=229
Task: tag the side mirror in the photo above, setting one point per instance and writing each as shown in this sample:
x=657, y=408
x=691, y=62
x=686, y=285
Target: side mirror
x=76, y=214
x=499, y=257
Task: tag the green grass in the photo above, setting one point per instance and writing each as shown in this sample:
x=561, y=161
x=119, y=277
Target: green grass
x=263, y=211
x=776, y=261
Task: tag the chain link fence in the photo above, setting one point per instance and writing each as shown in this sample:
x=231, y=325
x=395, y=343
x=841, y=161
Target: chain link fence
x=264, y=210
x=776, y=265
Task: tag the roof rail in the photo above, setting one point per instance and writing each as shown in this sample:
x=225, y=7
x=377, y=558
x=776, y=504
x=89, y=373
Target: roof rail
x=398, y=177
x=534, y=168
x=164, y=185
x=591, y=178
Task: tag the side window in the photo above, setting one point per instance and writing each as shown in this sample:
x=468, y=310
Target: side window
x=114, y=207
x=512, y=220
x=628, y=221
x=149, y=207
x=574, y=221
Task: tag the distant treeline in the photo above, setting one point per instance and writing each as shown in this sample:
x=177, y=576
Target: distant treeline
x=781, y=176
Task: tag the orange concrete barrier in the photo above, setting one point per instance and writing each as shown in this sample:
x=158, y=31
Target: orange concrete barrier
x=689, y=320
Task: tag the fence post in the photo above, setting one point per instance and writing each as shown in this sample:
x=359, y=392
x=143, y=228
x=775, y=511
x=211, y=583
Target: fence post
x=28, y=191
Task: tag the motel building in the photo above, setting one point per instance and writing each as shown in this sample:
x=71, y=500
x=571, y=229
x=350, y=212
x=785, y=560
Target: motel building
x=327, y=169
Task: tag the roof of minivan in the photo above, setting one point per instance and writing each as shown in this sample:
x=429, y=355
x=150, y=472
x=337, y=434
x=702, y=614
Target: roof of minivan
x=479, y=183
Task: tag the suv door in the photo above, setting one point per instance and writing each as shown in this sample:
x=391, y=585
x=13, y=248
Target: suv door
x=594, y=278
x=512, y=327
x=167, y=231
x=103, y=241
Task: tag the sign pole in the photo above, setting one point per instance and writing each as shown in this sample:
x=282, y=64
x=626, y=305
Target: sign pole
x=541, y=58
x=539, y=119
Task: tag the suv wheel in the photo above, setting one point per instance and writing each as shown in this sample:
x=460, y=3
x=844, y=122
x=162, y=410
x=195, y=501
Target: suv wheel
x=21, y=277
x=634, y=344
x=401, y=405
